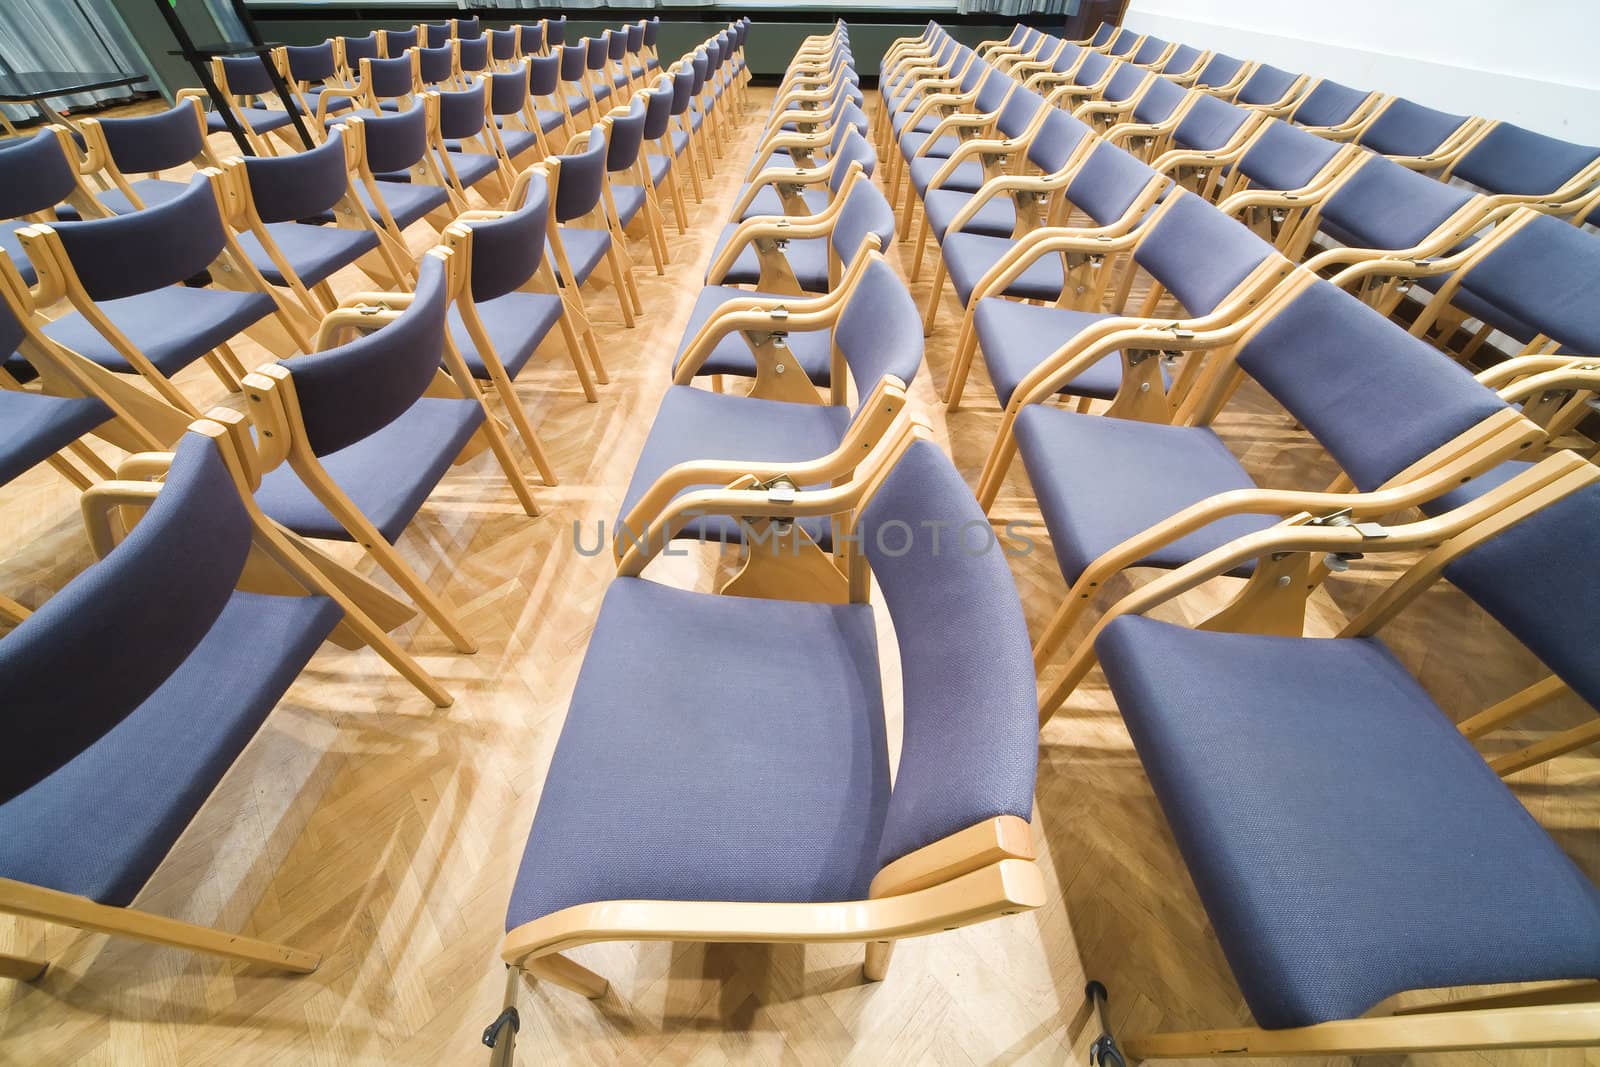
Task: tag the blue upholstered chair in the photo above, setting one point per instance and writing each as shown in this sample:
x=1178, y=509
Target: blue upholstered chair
x=1184, y=64
x=1188, y=248
x=518, y=129
x=1125, y=43
x=1110, y=187
x=275, y=194
x=804, y=190
x=630, y=194
x=1156, y=115
x=574, y=77
x=820, y=846
x=469, y=155
x=1402, y=420
x=679, y=139
x=309, y=71
x=246, y=86
x=352, y=50
x=867, y=336
x=963, y=157
x=510, y=301
x=503, y=51
x=1274, y=181
x=585, y=235
x=132, y=691
x=1271, y=90
x=1371, y=852
x=132, y=312
x=1377, y=204
x=661, y=165
x=1211, y=131
x=398, y=174
x=555, y=31
x=397, y=43
x=1223, y=76
x=382, y=87
x=472, y=57
x=121, y=150
x=1152, y=52
x=784, y=255
x=1118, y=98
x=1336, y=111
x=357, y=434
x=1514, y=166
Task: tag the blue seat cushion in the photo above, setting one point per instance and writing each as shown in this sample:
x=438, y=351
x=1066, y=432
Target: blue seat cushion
x=629, y=200
x=549, y=120
x=925, y=125
x=1100, y=481
x=173, y=326
x=683, y=773
x=516, y=323
x=314, y=252
x=585, y=249
x=768, y=202
x=813, y=349
x=101, y=824
x=472, y=167
x=259, y=119
x=996, y=218
x=968, y=257
x=1016, y=338
x=942, y=148
x=807, y=256
x=577, y=105
x=35, y=426
x=1347, y=841
x=387, y=475
x=407, y=201
x=693, y=424
x=658, y=166
x=151, y=191
x=968, y=176
x=1492, y=478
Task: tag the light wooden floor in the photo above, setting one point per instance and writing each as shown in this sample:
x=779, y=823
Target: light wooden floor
x=364, y=825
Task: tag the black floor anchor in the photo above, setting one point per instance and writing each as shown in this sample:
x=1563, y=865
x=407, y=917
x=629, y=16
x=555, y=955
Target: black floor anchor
x=1103, y=1052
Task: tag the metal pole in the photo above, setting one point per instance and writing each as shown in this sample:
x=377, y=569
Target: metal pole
x=187, y=50
x=276, y=75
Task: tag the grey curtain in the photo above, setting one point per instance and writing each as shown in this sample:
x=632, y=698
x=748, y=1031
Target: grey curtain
x=84, y=35
x=571, y=5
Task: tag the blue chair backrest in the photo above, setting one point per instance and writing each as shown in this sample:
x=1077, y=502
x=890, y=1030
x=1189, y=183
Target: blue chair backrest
x=616, y=45
x=246, y=75
x=1285, y=157
x=1199, y=254
x=390, y=79
x=879, y=332
x=508, y=90
x=473, y=54
x=1220, y=69
x=1209, y=125
x=148, y=143
x=358, y=48
x=99, y=648
x=531, y=38
x=1183, y=58
x=396, y=142
x=1096, y=65
x=1266, y=86
x=353, y=391
x=1108, y=183
x=627, y=137
x=1065, y=59
x=1514, y=161
x=461, y=111
x=556, y=30
x=1159, y=101
x=970, y=739
x=1540, y=581
x=299, y=185
x=35, y=175
x=396, y=42
x=574, y=61
x=866, y=213
x=1056, y=140
x=992, y=93
x=1546, y=274
x=503, y=44
x=582, y=179
x=1328, y=104
x=145, y=250
x=1020, y=108
x=1375, y=397
x=854, y=148
x=1409, y=129
x=11, y=331
x=311, y=62
x=436, y=65
x=1123, y=44
x=506, y=251
x=1384, y=205
x=682, y=90
x=544, y=74
x=1150, y=50
x=658, y=110
x=1124, y=83
x=596, y=51
x=1103, y=34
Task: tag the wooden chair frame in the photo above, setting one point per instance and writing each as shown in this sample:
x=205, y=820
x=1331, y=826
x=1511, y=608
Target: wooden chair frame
x=425, y=171
x=650, y=220
x=601, y=217
x=97, y=160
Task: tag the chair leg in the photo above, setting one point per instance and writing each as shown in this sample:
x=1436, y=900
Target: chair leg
x=68, y=909
x=923, y=233
x=65, y=468
x=396, y=567
x=575, y=302
x=11, y=612
x=961, y=366
x=22, y=968
x=879, y=954
x=694, y=170
x=508, y=462
x=530, y=439
x=558, y=970
x=933, y=297
x=679, y=210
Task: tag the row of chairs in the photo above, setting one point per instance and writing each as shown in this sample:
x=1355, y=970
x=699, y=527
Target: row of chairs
x=732, y=807
x=1076, y=223
x=210, y=579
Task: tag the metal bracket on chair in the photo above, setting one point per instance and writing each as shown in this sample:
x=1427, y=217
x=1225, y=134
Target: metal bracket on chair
x=1369, y=531
x=509, y=1017
x=779, y=490
x=1179, y=333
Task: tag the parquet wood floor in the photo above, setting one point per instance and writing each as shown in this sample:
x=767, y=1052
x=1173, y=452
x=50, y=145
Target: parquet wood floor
x=365, y=825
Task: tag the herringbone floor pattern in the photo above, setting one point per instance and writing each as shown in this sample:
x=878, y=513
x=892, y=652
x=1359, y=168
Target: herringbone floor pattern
x=364, y=825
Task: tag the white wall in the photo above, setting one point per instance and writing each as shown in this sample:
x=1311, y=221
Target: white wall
x=1526, y=61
